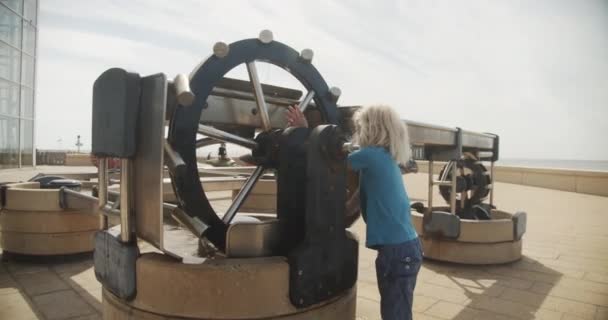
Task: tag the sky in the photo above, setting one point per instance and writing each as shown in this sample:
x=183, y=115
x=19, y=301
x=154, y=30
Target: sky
x=533, y=72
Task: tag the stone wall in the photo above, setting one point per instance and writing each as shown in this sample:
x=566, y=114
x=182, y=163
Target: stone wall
x=581, y=181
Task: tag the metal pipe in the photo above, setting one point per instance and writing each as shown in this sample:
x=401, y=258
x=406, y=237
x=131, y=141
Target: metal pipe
x=226, y=137
x=116, y=195
x=125, y=200
x=243, y=193
x=183, y=94
x=306, y=101
x=492, y=179
x=193, y=224
x=79, y=201
x=102, y=172
x=259, y=95
x=442, y=183
x=174, y=160
x=349, y=147
x=430, y=195
x=453, y=193
x=464, y=194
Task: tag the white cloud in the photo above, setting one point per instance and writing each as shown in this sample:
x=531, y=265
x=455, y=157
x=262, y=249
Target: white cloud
x=533, y=72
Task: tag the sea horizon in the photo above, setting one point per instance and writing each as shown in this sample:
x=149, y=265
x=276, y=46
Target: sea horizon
x=593, y=165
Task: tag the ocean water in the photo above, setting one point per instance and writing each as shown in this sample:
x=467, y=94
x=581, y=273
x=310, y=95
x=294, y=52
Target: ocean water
x=594, y=165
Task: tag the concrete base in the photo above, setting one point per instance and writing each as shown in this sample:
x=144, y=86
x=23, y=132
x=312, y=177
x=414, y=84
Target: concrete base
x=33, y=223
x=47, y=244
x=480, y=241
x=471, y=253
x=255, y=288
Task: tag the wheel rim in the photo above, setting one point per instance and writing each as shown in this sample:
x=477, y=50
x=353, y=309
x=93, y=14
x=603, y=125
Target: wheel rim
x=184, y=124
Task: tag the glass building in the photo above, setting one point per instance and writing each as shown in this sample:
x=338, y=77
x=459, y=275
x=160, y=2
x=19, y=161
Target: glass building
x=18, y=35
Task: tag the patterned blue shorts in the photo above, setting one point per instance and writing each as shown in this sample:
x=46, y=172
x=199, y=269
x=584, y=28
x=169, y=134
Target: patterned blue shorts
x=397, y=267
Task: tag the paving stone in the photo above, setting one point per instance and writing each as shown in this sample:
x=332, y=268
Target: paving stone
x=22, y=268
x=448, y=310
x=8, y=285
x=61, y=305
x=601, y=314
x=513, y=309
x=535, y=300
x=15, y=306
x=573, y=292
x=597, y=277
x=368, y=309
x=368, y=291
x=73, y=267
x=90, y=317
x=40, y=282
x=442, y=293
x=424, y=316
x=568, y=316
x=82, y=280
x=93, y=298
x=422, y=303
x=468, y=286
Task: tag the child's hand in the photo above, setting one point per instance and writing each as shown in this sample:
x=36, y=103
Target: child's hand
x=295, y=117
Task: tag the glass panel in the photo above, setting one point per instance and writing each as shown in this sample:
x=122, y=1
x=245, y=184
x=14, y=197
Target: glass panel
x=10, y=63
x=29, y=38
x=29, y=11
x=27, y=73
x=27, y=102
x=16, y=5
x=27, y=142
x=10, y=27
x=9, y=144
x=9, y=98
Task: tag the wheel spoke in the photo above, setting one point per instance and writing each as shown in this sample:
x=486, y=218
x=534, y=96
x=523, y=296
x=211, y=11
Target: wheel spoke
x=206, y=142
x=259, y=95
x=306, y=101
x=217, y=134
x=242, y=195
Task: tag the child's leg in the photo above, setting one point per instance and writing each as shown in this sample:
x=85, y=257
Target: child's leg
x=397, y=267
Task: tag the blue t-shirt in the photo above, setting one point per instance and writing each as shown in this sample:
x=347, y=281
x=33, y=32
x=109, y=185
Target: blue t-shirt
x=385, y=206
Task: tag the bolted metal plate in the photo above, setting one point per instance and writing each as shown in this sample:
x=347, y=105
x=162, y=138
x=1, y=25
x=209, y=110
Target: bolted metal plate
x=115, y=107
x=324, y=264
x=148, y=164
x=519, y=224
x=115, y=263
x=442, y=224
x=252, y=239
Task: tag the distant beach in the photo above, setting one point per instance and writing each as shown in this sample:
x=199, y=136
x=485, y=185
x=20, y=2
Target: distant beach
x=594, y=165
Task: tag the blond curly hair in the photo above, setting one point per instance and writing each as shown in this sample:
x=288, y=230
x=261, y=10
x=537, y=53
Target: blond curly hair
x=381, y=126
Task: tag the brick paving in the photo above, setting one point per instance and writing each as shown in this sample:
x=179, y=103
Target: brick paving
x=563, y=275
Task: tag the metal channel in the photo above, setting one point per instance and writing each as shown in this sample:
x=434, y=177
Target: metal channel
x=477, y=140
x=227, y=93
x=148, y=163
x=429, y=134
